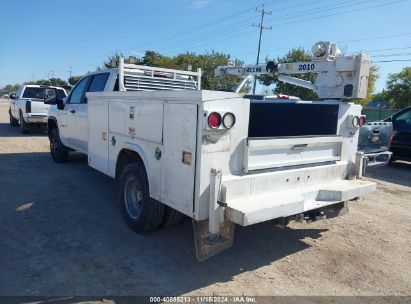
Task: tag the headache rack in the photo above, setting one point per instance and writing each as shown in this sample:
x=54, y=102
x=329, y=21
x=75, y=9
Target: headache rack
x=144, y=78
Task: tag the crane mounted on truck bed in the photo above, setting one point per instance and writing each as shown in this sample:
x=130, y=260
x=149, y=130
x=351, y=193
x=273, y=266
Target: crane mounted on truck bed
x=337, y=76
x=214, y=156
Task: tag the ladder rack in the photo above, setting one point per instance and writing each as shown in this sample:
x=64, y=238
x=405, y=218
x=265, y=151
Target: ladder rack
x=134, y=77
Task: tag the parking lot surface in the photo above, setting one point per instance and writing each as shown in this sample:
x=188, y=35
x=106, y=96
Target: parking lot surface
x=62, y=233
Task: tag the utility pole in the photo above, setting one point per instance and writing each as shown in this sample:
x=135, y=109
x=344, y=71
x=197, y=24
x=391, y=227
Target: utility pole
x=261, y=26
x=71, y=68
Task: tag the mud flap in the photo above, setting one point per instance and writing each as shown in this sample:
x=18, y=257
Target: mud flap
x=207, y=244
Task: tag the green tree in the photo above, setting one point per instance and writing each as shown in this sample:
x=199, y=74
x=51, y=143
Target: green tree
x=372, y=78
x=58, y=82
x=379, y=96
x=10, y=88
x=112, y=61
x=398, y=88
x=371, y=82
x=207, y=62
x=294, y=55
x=74, y=79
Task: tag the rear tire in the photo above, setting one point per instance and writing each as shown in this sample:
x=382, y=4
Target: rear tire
x=13, y=122
x=58, y=151
x=141, y=212
x=24, y=127
x=172, y=217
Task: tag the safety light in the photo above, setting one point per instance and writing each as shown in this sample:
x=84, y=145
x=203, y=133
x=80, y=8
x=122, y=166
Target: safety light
x=228, y=120
x=319, y=49
x=283, y=96
x=214, y=120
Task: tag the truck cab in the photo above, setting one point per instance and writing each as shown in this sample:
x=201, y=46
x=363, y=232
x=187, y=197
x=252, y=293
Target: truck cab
x=71, y=119
x=27, y=106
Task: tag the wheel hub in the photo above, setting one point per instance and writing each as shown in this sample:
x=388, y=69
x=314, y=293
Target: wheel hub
x=133, y=198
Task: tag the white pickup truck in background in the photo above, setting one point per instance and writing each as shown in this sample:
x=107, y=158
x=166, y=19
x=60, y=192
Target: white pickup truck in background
x=27, y=106
x=218, y=157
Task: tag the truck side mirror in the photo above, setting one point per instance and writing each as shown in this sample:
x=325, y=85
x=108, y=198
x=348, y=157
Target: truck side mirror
x=13, y=96
x=51, y=98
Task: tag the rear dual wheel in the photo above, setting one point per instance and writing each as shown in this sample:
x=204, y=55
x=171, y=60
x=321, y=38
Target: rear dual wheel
x=141, y=212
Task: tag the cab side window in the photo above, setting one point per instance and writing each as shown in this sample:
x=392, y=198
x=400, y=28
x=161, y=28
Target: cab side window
x=77, y=95
x=98, y=83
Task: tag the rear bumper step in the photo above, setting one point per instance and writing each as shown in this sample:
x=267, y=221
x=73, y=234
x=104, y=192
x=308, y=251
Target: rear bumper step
x=378, y=159
x=255, y=209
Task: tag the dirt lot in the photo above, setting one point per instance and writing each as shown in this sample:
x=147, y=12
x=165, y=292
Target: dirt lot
x=62, y=233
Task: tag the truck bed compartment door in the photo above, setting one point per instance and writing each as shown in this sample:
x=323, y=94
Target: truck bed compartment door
x=180, y=137
x=290, y=151
x=98, y=135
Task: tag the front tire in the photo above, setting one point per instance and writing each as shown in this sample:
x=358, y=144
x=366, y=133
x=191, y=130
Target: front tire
x=13, y=122
x=141, y=212
x=24, y=127
x=58, y=151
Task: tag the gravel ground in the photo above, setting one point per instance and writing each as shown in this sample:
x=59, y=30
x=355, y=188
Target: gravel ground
x=61, y=233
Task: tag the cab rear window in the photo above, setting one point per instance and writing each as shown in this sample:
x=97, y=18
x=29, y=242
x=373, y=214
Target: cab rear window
x=38, y=93
x=34, y=93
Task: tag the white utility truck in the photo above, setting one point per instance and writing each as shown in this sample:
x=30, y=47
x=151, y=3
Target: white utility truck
x=27, y=106
x=215, y=156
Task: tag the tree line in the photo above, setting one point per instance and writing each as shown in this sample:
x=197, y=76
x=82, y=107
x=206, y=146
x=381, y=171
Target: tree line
x=397, y=90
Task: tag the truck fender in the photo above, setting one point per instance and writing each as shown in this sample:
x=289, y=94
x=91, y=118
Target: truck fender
x=51, y=124
x=126, y=153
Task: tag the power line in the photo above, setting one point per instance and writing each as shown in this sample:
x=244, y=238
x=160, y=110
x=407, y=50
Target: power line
x=320, y=9
x=235, y=29
x=394, y=60
x=343, y=41
x=391, y=55
x=307, y=19
x=389, y=49
x=344, y=12
x=208, y=37
x=377, y=37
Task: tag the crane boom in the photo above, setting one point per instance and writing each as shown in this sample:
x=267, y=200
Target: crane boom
x=337, y=76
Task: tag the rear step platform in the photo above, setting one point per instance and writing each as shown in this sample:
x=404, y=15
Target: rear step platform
x=255, y=209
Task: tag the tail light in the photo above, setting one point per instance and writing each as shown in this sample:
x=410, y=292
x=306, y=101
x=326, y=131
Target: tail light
x=358, y=121
x=214, y=120
x=223, y=120
x=28, y=106
x=228, y=120
x=362, y=121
